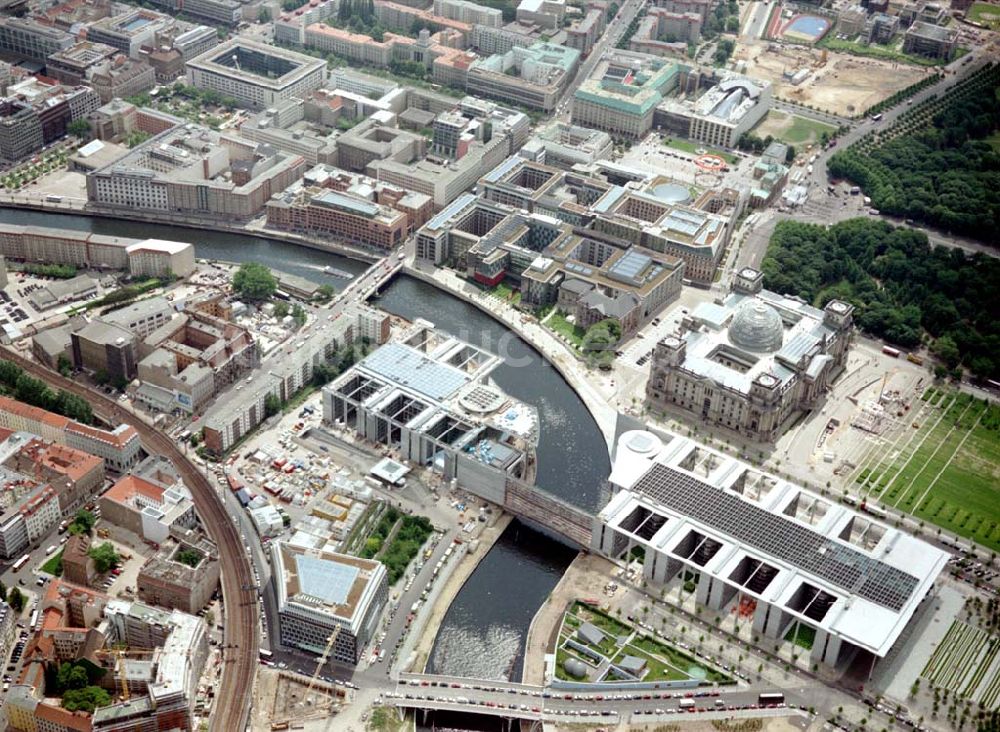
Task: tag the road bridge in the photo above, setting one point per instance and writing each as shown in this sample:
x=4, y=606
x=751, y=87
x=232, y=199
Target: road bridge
x=538, y=703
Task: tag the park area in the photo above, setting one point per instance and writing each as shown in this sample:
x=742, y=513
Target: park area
x=839, y=83
x=792, y=129
x=943, y=466
x=986, y=13
x=593, y=646
x=967, y=663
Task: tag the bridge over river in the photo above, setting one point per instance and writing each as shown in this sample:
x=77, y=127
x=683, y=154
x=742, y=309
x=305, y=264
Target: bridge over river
x=548, y=704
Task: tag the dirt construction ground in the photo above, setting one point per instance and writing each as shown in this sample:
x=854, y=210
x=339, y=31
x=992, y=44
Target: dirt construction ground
x=844, y=85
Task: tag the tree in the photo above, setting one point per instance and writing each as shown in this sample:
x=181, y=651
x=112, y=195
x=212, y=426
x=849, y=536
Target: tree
x=86, y=699
x=264, y=15
x=80, y=128
x=190, y=557
x=15, y=599
x=790, y=154
x=946, y=349
x=733, y=24
x=254, y=282
x=272, y=405
x=83, y=523
x=299, y=314
x=105, y=557
x=325, y=292
x=280, y=309
x=63, y=365
x=71, y=676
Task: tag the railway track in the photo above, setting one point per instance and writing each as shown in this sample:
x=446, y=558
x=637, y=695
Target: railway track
x=241, y=651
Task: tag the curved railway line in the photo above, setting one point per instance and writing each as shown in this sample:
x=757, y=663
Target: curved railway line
x=240, y=639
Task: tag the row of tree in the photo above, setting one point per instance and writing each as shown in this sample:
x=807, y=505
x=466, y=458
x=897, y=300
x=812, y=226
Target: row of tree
x=35, y=392
x=945, y=175
x=905, y=290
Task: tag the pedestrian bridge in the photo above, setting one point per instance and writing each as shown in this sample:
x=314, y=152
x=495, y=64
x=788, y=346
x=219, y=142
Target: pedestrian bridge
x=538, y=505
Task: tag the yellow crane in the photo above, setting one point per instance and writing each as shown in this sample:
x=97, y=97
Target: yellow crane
x=119, y=654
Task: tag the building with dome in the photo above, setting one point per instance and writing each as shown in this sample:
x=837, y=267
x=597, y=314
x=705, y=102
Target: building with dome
x=751, y=362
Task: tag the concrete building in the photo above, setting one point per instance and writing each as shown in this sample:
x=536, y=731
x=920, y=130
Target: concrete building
x=753, y=362
x=121, y=77
x=665, y=33
x=286, y=370
x=622, y=93
x=731, y=107
x=933, y=41
x=188, y=360
x=147, y=508
x=533, y=77
x=73, y=65
x=323, y=595
x=194, y=172
x=544, y=13
x=489, y=40
x=342, y=215
x=31, y=511
x=430, y=396
x=469, y=12
x=562, y=145
x=20, y=130
x=147, y=257
x=167, y=582
x=107, y=348
x=800, y=565
x=73, y=474
x=27, y=38
x=256, y=74
x=118, y=447
x=131, y=31
x=160, y=258
x=78, y=567
x=586, y=31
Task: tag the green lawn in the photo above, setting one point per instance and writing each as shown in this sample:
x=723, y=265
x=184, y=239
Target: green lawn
x=692, y=147
x=506, y=293
x=805, y=130
x=568, y=330
x=54, y=564
x=656, y=670
x=595, y=617
x=676, y=658
x=877, y=50
x=965, y=444
x=802, y=635
x=986, y=13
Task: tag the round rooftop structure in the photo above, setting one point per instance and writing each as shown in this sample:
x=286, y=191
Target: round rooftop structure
x=672, y=193
x=757, y=327
x=482, y=399
x=640, y=443
x=575, y=667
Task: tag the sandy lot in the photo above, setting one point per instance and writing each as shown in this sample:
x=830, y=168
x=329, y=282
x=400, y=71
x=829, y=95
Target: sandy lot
x=844, y=85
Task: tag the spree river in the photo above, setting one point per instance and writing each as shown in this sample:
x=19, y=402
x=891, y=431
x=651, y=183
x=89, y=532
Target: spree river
x=483, y=632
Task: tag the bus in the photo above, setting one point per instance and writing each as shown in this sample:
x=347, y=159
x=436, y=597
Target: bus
x=877, y=117
x=34, y=618
x=21, y=562
x=770, y=699
x=687, y=704
x=890, y=351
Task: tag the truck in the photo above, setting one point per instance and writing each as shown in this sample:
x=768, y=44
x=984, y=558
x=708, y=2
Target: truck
x=855, y=190
x=687, y=705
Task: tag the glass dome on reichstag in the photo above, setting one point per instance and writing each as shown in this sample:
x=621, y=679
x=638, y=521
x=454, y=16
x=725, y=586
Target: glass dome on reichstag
x=756, y=327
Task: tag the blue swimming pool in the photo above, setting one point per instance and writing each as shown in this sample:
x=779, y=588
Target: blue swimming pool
x=807, y=27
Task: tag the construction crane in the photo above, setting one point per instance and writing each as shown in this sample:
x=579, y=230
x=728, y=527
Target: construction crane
x=325, y=706
x=119, y=655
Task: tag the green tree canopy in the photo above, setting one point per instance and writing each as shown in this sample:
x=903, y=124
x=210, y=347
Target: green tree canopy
x=15, y=598
x=80, y=128
x=86, y=699
x=254, y=282
x=83, y=522
x=105, y=557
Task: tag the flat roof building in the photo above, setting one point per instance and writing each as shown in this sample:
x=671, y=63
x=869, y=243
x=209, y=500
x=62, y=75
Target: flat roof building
x=323, y=594
x=431, y=395
x=256, y=74
x=796, y=561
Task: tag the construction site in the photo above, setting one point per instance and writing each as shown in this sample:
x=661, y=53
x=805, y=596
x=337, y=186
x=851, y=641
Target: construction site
x=833, y=82
x=284, y=697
